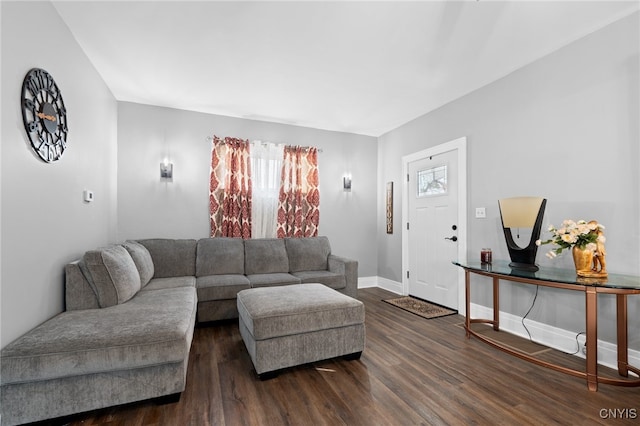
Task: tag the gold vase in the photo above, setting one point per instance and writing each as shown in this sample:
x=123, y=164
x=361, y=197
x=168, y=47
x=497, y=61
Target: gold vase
x=583, y=260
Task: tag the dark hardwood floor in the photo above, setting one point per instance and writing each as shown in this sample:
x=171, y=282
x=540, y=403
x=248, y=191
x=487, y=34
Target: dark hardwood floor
x=412, y=372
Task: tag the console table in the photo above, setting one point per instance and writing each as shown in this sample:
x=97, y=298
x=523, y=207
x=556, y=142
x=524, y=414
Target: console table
x=619, y=285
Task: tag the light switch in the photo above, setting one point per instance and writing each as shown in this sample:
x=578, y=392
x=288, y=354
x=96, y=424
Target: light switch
x=480, y=213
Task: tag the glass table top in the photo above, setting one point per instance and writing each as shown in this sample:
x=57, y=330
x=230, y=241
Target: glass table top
x=566, y=276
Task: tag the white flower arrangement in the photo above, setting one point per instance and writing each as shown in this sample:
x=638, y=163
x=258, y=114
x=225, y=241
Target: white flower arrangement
x=583, y=234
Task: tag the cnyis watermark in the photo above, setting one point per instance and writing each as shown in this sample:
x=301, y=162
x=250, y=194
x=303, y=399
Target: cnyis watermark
x=618, y=413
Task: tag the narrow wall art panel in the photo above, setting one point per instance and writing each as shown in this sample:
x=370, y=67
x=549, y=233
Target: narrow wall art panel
x=389, y=207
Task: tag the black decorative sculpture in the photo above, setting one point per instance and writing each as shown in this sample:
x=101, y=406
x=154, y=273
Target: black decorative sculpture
x=522, y=212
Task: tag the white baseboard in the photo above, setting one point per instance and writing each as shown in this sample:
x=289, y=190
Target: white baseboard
x=384, y=283
x=367, y=282
x=557, y=338
x=553, y=337
x=390, y=285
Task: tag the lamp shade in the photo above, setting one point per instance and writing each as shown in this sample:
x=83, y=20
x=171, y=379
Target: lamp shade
x=520, y=212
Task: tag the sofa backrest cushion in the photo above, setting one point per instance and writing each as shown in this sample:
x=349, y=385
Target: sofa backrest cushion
x=142, y=258
x=113, y=273
x=219, y=256
x=308, y=254
x=172, y=258
x=265, y=256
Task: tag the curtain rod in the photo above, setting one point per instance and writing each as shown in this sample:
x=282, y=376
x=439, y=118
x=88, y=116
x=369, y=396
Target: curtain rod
x=210, y=139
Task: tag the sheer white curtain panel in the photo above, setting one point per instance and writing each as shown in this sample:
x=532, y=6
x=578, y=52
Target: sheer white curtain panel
x=266, y=169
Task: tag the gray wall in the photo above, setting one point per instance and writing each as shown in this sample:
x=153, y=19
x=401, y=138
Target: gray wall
x=564, y=127
x=45, y=222
x=149, y=207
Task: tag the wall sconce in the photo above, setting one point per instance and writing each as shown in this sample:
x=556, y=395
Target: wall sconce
x=166, y=170
x=346, y=183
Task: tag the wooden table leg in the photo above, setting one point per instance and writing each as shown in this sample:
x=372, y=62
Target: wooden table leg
x=496, y=303
x=467, y=298
x=621, y=320
x=592, y=337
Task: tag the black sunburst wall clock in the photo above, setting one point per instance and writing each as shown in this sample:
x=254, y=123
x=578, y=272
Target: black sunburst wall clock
x=44, y=115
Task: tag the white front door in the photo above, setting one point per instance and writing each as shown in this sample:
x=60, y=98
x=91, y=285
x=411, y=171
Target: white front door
x=433, y=228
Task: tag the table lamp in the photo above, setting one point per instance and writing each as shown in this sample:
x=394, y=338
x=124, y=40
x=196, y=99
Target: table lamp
x=522, y=212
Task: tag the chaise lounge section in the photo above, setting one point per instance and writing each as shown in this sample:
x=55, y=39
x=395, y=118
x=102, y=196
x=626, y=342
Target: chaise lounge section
x=121, y=340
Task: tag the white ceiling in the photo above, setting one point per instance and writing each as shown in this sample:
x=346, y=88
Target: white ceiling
x=359, y=67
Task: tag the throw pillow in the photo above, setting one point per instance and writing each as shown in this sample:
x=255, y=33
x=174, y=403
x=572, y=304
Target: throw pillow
x=114, y=274
x=142, y=258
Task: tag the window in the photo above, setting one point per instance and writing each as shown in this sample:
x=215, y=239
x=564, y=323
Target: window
x=266, y=168
x=432, y=181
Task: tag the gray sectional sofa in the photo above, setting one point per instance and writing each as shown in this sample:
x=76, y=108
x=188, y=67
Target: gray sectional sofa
x=130, y=313
x=225, y=266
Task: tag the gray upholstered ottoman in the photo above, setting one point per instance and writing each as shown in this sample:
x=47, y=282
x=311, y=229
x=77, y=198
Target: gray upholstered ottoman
x=297, y=324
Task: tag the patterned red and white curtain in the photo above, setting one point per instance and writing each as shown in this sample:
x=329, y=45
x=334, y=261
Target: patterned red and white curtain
x=299, y=200
x=230, y=188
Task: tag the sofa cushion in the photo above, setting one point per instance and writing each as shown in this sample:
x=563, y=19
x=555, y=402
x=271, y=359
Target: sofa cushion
x=153, y=328
x=330, y=279
x=172, y=258
x=114, y=274
x=219, y=256
x=173, y=282
x=220, y=287
x=265, y=256
x=308, y=254
x=270, y=280
x=142, y=258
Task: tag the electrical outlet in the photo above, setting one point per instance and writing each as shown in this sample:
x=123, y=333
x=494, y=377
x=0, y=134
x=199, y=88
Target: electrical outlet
x=481, y=213
x=87, y=196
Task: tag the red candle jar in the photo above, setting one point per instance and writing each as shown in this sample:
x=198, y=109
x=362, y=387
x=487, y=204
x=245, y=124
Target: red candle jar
x=485, y=255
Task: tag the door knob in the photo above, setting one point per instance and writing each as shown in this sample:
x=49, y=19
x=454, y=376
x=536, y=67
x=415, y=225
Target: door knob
x=454, y=238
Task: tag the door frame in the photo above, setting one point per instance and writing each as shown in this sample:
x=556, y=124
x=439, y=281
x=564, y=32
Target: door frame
x=460, y=145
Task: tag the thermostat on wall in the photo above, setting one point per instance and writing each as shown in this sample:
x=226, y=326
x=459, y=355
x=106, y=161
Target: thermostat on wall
x=88, y=196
